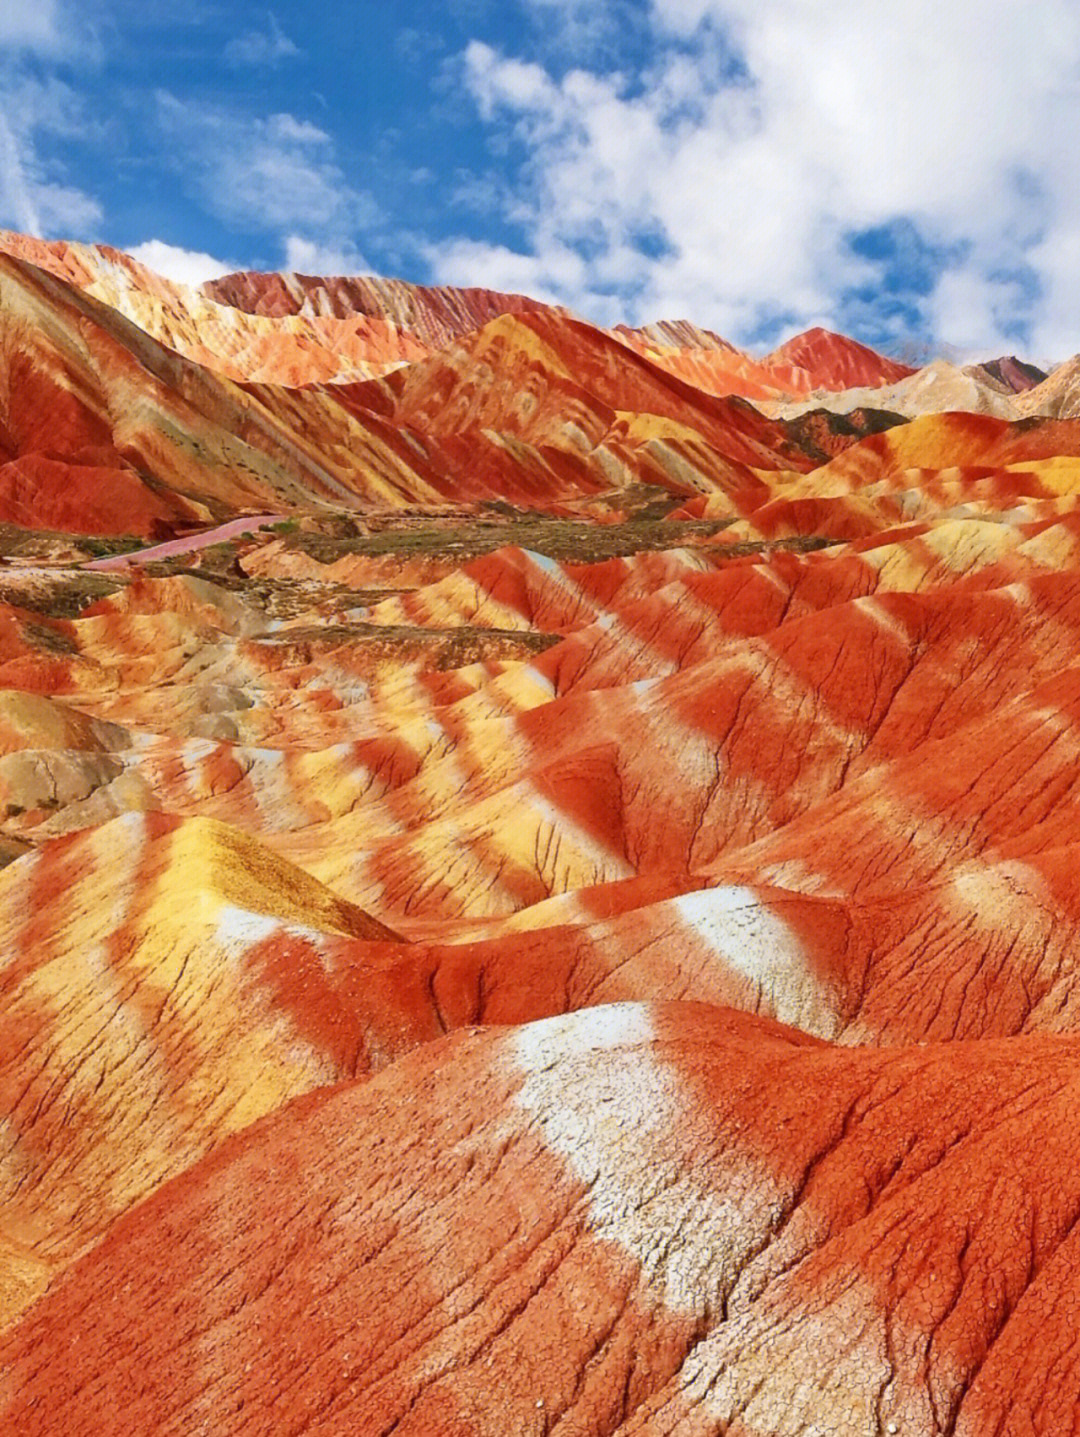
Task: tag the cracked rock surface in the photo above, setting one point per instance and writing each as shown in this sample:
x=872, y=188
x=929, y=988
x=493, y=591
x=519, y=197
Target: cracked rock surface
x=536, y=897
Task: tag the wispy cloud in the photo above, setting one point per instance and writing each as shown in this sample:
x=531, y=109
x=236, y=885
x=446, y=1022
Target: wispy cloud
x=262, y=48
x=37, y=107
x=31, y=27
x=35, y=195
x=574, y=33
x=265, y=173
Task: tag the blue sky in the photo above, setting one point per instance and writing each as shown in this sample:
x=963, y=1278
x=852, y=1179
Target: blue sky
x=905, y=173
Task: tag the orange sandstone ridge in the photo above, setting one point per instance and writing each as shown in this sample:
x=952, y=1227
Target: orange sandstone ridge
x=301, y=329
x=535, y=896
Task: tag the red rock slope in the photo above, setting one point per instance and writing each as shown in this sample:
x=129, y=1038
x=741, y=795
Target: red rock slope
x=437, y=316
x=832, y=361
x=679, y=1220
x=575, y=932
x=298, y=329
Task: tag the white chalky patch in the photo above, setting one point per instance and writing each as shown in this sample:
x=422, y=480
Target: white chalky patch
x=1019, y=592
x=823, y=1369
x=616, y=1025
x=238, y=929
x=881, y=616
x=990, y=893
x=749, y=937
x=797, y=874
x=642, y=686
x=635, y=1139
x=604, y=618
x=194, y=750
x=142, y=741
x=536, y=677
x=344, y=686
x=273, y=789
x=438, y=734
x=128, y=886
x=545, y=563
x=773, y=577
x=134, y=824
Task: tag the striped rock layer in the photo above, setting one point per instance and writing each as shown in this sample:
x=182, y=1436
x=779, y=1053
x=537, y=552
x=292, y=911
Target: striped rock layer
x=572, y=931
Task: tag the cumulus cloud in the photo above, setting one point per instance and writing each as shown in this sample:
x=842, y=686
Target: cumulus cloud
x=308, y=256
x=182, y=266
x=736, y=177
x=261, y=48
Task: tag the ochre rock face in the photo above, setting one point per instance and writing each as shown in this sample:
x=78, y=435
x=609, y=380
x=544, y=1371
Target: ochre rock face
x=542, y=898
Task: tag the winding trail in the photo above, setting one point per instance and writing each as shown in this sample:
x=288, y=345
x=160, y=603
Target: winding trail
x=189, y=544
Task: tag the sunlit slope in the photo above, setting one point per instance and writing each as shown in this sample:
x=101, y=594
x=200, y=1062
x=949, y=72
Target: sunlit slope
x=289, y=349
x=102, y=430
x=573, y=928
x=437, y=316
x=474, y=1233
x=135, y=1036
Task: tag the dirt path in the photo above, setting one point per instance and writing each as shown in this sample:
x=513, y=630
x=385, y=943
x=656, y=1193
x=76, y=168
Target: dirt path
x=188, y=544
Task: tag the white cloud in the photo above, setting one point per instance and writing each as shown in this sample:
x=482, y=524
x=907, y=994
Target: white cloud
x=1056, y=259
x=182, y=266
x=273, y=172
x=34, y=195
x=583, y=31
x=261, y=48
x=49, y=29
x=973, y=308
x=726, y=182
x=25, y=25
x=306, y=256
x=556, y=272
x=36, y=106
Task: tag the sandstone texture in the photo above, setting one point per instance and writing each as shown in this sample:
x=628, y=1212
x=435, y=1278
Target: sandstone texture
x=538, y=871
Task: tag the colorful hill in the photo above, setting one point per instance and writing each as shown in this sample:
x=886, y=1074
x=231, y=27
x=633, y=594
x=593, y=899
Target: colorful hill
x=536, y=896
x=289, y=350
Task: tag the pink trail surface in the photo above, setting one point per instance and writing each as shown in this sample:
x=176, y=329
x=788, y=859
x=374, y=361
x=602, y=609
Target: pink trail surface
x=189, y=543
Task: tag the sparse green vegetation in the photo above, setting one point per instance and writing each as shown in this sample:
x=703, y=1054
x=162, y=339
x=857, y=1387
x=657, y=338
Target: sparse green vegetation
x=574, y=540
x=105, y=546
